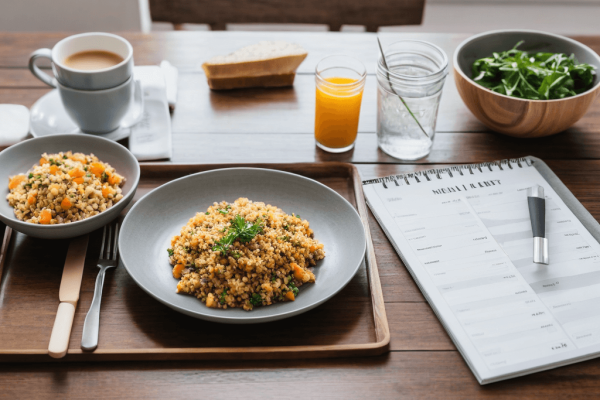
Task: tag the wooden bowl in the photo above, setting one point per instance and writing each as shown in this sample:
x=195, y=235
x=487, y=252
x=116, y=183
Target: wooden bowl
x=510, y=115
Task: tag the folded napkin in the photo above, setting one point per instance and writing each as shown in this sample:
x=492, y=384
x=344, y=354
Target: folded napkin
x=14, y=124
x=151, y=138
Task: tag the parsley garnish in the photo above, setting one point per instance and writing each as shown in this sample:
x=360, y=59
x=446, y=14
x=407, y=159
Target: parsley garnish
x=256, y=299
x=293, y=288
x=187, y=250
x=284, y=238
x=224, y=212
x=223, y=294
x=64, y=157
x=104, y=177
x=207, y=213
x=273, y=279
x=285, y=227
x=170, y=251
x=236, y=255
x=30, y=175
x=241, y=230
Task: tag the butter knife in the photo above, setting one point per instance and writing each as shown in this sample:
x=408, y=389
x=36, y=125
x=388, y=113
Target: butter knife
x=69, y=296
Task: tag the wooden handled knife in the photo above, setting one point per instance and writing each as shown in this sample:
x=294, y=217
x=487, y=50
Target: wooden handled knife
x=68, y=295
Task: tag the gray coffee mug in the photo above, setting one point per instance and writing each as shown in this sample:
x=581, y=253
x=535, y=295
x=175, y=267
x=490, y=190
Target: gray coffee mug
x=102, y=111
x=85, y=80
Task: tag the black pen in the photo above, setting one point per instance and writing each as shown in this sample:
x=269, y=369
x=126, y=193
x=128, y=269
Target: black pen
x=537, y=213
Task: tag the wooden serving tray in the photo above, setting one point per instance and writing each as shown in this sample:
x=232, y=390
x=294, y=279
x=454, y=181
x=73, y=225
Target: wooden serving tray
x=134, y=326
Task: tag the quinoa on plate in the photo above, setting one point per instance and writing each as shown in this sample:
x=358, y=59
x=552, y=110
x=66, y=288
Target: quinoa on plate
x=244, y=254
x=64, y=188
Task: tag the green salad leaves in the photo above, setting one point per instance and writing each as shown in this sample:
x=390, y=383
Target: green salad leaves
x=540, y=76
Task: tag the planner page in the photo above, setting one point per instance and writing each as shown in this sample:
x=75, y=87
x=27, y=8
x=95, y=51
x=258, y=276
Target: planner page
x=465, y=235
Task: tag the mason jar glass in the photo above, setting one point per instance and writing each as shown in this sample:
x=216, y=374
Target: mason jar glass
x=412, y=83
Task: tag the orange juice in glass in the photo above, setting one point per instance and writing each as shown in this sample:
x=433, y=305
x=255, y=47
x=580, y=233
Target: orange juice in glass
x=340, y=84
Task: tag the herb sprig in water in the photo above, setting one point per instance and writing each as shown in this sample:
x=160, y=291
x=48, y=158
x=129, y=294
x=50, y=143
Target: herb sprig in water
x=241, y=230
x=396, y=93
x=540, y=76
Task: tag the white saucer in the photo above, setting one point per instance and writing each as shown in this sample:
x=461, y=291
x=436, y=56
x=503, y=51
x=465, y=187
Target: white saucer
x=49, y=117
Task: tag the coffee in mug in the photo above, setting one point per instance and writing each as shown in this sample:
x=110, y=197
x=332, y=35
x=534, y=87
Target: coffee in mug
x=75, y=62
x=92, y=60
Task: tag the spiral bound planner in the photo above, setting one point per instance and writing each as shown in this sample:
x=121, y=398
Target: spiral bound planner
x=464, y=233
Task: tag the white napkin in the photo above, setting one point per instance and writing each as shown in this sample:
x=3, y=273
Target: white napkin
x=151, y=138
x=14, y=124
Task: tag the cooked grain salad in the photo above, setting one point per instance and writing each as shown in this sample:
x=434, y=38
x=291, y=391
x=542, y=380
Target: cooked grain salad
x=244, y=254
x=64, y=188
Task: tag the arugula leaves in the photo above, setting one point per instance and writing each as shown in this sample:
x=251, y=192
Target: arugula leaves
x=541, y=76
x=241, y=230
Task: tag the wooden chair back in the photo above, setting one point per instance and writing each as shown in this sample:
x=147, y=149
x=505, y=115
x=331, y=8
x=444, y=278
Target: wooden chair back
x=335, y=13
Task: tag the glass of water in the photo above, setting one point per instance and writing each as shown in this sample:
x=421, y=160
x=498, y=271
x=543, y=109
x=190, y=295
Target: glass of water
x=409, y=90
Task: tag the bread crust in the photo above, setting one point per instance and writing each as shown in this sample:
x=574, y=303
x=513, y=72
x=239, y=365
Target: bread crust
x=239, y=82
x=272, y=66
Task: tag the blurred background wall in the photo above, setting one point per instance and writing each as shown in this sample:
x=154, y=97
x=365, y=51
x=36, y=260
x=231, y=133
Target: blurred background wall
x=572, y=17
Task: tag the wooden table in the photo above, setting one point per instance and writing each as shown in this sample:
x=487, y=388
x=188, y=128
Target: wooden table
x=276, y=125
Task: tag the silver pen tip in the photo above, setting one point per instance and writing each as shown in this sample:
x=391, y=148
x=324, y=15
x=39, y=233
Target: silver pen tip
x=535, y=191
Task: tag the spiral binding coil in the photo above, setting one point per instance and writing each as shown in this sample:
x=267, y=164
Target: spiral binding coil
x=428, y=175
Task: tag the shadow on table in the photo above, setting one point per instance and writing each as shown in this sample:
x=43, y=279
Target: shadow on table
x=224, y=100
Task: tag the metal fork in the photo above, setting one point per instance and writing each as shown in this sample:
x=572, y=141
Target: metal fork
x=108, y=259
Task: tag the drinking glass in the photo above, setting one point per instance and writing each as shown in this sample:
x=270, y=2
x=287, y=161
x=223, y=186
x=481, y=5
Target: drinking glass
x=416, y=73
x=340, y=83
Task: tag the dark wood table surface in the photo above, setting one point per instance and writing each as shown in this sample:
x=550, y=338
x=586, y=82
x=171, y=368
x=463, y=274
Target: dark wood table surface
x=276, y=125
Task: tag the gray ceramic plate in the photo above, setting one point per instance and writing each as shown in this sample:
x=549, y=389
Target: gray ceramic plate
x=152, y=222
x=19, y=158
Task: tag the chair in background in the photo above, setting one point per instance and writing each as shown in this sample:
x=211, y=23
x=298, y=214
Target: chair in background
x=335, y=13
x=74, y=15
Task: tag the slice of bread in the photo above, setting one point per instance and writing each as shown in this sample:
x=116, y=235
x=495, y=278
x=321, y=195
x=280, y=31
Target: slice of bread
x=264, y=64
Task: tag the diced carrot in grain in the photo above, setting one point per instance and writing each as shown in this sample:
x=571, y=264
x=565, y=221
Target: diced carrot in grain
x=76, y=173
x=106, y=191
x=97, y=169
x=177, y=269
x=79, y=157
x=114, y=179
x=43, y=161
x=45, y=217
x=53, y=169
x=290, y=295
x=312, y=248
x=15, y=181
x=32, y=198
x=65, y=204
x=78, y=181
x=298, y=271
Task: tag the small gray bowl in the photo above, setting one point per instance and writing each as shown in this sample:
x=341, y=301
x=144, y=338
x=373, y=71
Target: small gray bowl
x=19, y=158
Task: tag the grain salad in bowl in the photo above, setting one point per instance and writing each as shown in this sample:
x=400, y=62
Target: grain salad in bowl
x=244, y=254
x=64, y=187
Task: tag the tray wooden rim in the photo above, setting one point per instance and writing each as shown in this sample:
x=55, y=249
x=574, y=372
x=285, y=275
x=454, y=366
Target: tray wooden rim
x=382, y=331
